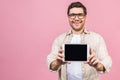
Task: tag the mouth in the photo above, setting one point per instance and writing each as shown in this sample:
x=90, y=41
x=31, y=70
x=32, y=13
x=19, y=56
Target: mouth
x=77, y=23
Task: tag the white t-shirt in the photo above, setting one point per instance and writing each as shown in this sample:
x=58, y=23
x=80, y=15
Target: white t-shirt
x=74, y=71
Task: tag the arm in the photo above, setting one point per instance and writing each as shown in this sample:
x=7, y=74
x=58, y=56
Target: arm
x=94, y=61
x=100, y=59
x=54, y=59
x=58, y=62
x=55, y=65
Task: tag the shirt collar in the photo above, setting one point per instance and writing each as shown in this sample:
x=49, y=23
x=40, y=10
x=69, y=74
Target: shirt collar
x=84, y=32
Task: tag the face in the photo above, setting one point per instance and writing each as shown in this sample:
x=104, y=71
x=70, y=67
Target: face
x=77, y=19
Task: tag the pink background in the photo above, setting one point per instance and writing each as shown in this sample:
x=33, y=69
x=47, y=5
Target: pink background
x=28, y=28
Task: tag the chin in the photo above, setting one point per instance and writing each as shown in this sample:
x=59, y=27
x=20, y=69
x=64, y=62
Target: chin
x=77, y=27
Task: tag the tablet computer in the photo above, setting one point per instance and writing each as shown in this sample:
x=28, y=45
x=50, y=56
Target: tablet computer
x=75, y=52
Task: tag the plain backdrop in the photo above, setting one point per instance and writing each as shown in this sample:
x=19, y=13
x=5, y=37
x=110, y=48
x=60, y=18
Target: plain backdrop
x=29, y=27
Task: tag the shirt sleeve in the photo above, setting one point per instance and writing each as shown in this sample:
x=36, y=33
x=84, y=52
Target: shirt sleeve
x=103, y=55
x=53, y=54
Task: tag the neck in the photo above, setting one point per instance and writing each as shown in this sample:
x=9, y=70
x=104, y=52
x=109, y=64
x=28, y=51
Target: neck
x=78, y=32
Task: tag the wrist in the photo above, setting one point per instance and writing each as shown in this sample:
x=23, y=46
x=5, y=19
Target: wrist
x=100, y=67
x=55, y=65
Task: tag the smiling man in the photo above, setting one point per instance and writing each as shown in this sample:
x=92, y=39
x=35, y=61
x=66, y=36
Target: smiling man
x=77, y=19
x=99, y=60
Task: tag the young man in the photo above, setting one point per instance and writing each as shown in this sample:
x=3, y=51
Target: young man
x=99, y=60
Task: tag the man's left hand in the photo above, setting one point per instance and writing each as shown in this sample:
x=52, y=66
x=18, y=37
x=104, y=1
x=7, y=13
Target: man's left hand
x=94, y=61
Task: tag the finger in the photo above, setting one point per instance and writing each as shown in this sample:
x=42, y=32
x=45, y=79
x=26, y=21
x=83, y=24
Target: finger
x=60, y=47
x=90, y=57
x=91, y=51
x=59, y=58
x=95, y=62
x=60, y=51
x=68, y=62
x=60, y=55
x=86, y=62
x=92, y=60
x=92, y=54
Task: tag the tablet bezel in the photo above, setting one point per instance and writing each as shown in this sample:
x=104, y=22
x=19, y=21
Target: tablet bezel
x=63, y=47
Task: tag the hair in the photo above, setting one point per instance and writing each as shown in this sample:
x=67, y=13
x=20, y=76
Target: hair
x=77, y=5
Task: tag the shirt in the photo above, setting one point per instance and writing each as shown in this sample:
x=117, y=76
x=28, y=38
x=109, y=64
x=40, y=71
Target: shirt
x=74, y=71
x=95, y=41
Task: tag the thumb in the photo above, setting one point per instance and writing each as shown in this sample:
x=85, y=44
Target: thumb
x=60, y=47
x=91, y=51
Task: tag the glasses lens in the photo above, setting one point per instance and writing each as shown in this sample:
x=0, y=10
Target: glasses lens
x=80, y=15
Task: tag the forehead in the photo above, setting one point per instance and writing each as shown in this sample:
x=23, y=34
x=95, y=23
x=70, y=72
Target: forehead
x=76, y=10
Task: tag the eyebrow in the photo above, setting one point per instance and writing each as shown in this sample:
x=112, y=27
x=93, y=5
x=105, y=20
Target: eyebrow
x=76, y=13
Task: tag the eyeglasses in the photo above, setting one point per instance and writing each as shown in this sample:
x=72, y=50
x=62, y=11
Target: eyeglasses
x=73, y=16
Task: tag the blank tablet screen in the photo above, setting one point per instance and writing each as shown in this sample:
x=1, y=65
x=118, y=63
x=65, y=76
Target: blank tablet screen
x=75, y=52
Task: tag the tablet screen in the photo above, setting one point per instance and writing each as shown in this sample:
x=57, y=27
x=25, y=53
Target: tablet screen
x=76, y=52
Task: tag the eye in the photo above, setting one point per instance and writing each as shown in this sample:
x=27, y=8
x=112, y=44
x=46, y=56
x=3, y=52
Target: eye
x=79, y=15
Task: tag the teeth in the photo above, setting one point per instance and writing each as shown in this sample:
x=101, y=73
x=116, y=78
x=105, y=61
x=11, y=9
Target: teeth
x=76, y=22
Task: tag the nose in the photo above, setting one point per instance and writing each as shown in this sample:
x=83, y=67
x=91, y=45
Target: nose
x=76, y=18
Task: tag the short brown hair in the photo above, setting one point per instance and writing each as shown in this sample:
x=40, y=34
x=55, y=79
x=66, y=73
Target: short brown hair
x=77, y=5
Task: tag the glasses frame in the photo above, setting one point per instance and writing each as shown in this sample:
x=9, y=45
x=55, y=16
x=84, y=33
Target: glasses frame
x=79, y=15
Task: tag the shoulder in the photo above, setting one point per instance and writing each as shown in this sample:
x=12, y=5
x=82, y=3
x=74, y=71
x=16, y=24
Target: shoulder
x=94, y=34
x=62, y=35
x=60, y=38
x=94, y=37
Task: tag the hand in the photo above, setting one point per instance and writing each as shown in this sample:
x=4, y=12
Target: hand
x=58, y=62
x=94, y=61
x=60, y=57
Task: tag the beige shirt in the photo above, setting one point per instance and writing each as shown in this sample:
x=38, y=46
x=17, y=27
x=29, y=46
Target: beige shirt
x=95, y=41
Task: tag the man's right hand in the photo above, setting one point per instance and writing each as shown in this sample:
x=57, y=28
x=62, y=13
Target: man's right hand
x=58, y=62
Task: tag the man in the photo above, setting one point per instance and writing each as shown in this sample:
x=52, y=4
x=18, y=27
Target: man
x=99, y=60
